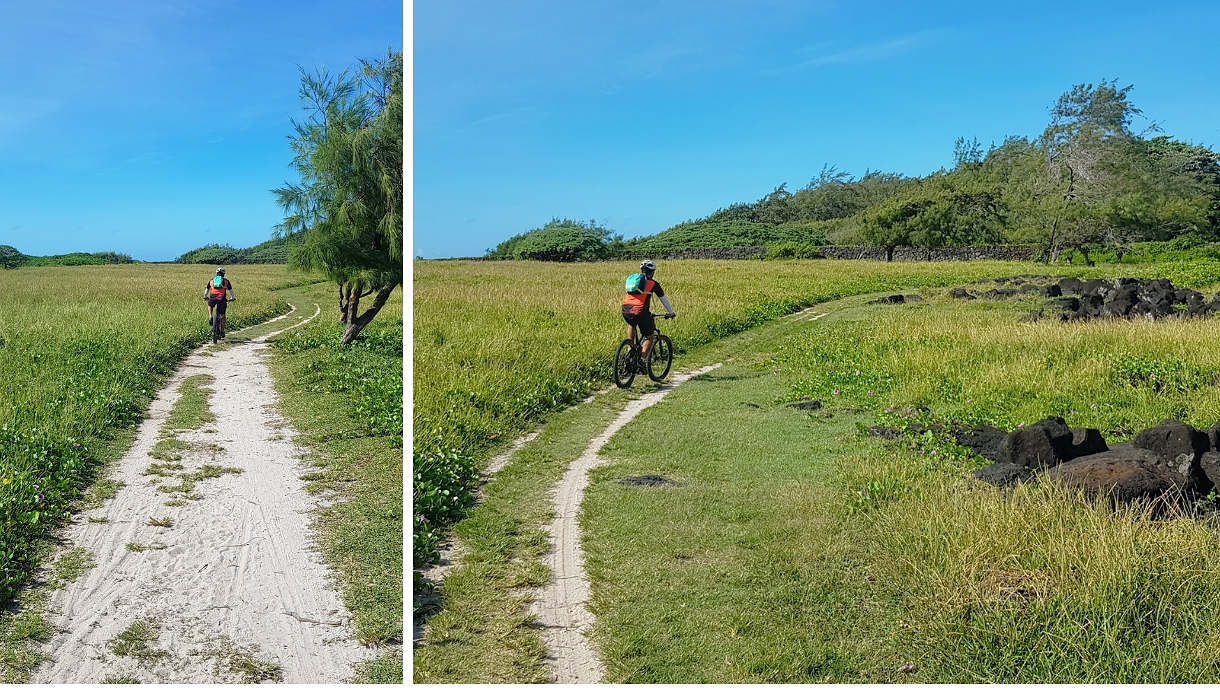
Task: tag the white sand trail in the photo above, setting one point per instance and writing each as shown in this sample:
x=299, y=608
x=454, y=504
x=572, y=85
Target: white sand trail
x=238, y=566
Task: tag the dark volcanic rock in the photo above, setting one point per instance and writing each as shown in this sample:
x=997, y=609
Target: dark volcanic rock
x=1043, y=444
x=1125, y=473
x=1050, y=290
x=1087, y=441
x=1172, y=438
x=1000, y=293
x=806, y=405
x=911, y=298
x=884, y=432
x=1213, y=437
x=1028, y=288
x=1209, y=464
x=1187, y=296
x=1099, y=287
x=1064, y=304
x=893, y=299
x=1004, y=474
x=1070, y=285
x=983, y=440
x=1091, y=305
x=962, y=293
x=1181, y=445
x=1119, y=302
x=645, y=480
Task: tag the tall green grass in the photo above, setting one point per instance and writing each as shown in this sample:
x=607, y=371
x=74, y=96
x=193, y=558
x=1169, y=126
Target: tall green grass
x=1041, y=584
x=83, y=350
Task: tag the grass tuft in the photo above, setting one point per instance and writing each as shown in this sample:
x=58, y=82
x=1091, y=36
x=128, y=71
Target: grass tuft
x=190, y=410
x=135, y=641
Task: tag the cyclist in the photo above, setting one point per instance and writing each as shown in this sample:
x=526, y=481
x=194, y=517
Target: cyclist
x=635, y=307
x=218, y=293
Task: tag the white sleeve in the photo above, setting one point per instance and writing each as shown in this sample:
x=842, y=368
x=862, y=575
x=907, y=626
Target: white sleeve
x=666, y=304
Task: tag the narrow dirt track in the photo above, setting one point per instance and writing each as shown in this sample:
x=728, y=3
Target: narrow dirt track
x=234, y=580
x=562, y=606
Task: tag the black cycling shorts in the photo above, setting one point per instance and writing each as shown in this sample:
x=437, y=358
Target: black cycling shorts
x=643, y=320
x=219, y=304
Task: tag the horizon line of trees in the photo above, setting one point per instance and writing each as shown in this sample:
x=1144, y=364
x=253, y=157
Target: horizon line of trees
x=1089, y=181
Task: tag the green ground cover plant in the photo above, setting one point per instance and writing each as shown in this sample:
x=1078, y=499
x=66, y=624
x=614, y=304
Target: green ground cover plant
x=84, y=349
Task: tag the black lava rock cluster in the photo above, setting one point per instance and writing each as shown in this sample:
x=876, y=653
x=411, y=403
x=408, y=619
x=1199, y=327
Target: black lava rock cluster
x=897, y=299
x=1170, y=459
x=1127, y=297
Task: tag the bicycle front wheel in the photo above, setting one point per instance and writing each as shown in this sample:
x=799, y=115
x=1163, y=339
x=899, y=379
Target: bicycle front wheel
x=660, y=359
x=624, y=364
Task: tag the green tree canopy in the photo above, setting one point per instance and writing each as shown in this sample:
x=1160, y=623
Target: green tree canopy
x=348, y=205
x=560, y=240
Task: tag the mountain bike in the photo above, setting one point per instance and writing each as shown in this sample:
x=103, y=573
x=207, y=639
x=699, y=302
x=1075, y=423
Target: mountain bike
x=216, y=334
x=627, y=361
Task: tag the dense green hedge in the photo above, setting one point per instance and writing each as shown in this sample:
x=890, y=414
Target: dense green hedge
x=11, y=258
x=560, y=240
x=694, y=235
x=272, y=252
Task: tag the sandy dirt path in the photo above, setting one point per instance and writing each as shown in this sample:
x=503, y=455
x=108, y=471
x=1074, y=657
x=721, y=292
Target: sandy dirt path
x=562, y=606
x=234, y=589
x=451, y=553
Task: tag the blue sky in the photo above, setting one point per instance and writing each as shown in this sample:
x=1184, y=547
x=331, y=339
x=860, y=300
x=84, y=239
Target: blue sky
x=153, y=127
x=642, y=115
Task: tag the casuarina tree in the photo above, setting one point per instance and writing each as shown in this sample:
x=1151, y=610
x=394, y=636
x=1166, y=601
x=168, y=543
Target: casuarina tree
x=348, y=204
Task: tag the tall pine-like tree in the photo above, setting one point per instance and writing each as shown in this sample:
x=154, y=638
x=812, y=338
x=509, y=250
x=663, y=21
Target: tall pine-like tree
x=348, y=204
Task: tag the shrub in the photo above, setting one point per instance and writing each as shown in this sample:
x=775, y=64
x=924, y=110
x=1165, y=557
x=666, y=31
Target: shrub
x=443, y=484
x=695, y=235
x=10, y=257
x=560, y=240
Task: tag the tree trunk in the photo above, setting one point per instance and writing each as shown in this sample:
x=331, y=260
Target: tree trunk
x=1052, y=245
x=889, y=253
x=356, y=323
x=343, y=298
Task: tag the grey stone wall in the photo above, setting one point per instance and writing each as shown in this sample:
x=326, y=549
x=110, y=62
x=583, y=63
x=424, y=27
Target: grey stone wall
x=948, y=253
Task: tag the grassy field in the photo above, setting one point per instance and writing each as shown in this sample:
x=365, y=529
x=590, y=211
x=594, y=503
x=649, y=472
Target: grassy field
x=795, y=549
x=499, y=345
x=798, y=550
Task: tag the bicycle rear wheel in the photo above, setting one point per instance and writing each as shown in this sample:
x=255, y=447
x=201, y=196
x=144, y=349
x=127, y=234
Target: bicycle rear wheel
x=215, y=328
x=660, y=359
x=624, y=364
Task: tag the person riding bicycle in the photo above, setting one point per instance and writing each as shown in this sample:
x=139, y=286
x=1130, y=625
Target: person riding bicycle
x=218, y=293
x=635, y=306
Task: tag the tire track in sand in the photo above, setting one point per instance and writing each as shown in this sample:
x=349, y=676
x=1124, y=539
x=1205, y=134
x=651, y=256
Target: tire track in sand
x=562, y=606
x=237, y=567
